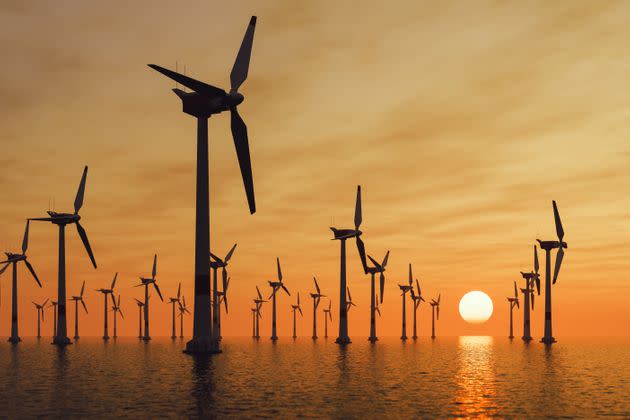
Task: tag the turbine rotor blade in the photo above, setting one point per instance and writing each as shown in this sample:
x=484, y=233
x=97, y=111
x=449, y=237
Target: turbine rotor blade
x=556, y=270
x=154, y=271
x=114, y=281
x=86, y=242
x=30, y=268
x=84, y=306
x=78, y=201
x=279, y=270
x=285, y=289
x=361, y=249
x=241, y=144
x=157, y=289
x=25, y=240
x=358, y=217
x=82, y=289
x=241, y=64
x=556, y=216
x=204, y=89
x=382, y=286
x=229, y=254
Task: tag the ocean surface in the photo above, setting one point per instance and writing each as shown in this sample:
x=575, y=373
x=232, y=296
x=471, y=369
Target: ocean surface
x=448, y=377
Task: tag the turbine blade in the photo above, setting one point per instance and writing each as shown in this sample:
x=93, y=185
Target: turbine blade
x=382, y=285
x=157, y=289
x=86, y=242
x=410, y=275
x=349, y=295
x=300, y=309
x=84, y=306
x=179, y=290
x=556, y=216
x=515, y=291
x=279, y=270
x=82, y=289
x=317, y=286
x=374, y=262
x=241, y=64
x=559, y=257
x=225, y=279
x=285, y=289
x=361, y=249
x=121, y=313
x=114, y=281
x=78, y=201
x=225, y=302
x=25, y=240
x=4, y=268
x=384, y=263
x=216, y=258
x=418, y=288
x=154, y=271
x=258, y=291
x=358, y=217
x=201, y=88
x=30, y=268
x=229, y=254
x=241, y=144
x=113, y=298
x=532, y=301
x=536, y=265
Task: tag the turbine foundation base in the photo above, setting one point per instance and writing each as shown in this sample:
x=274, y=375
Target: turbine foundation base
x=343, y=340
x=202, y=345
x=14, y=340
x=548, y=340
x=61, y=341
x=373, y=339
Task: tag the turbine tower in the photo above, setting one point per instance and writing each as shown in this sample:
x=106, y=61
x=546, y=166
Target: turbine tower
x=316, y=299
x=140, y=306
x=106, y=292
x=513, y=302
x=40, y=314
x=548, y=246
x=296, y=308
x=183, y=310
x=61, y=220
x=258, y=303
x=528, y=296
x=215, y=264
x=405, y=289
x=116, y=309
x=76, y=300
x=342, y=235
x=204, y=101
x=416, y=299
x=146, y=282
x=13, y=260
x=435, y=307
x=53, y=306
x=327, y=315
x=276, y=285
x=172, y=302
x=376, y=269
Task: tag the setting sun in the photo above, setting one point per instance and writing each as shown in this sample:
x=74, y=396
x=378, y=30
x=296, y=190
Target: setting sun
x=475, y=307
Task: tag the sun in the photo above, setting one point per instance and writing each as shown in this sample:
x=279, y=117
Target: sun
x=475, y=307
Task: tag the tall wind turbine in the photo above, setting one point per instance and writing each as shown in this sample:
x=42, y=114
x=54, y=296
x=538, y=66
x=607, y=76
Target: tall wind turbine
x=215, y=264
x=61, y=220
x=349, y=302
x=276, y=285
x=531, y=278
x=106, y=292
x=12, y=260
x=416, y=299
x=435, y=307
x=295, y=308
x=316, y=299
x=140, y=306
x=172, y=302
x=342, y=235
x=327, y=315
x=258, y=302
x=183, y=310
x=76, y=300
x=204, y=101
x=548, y=246
x=513, y=302
x=146, y=282
x=40, y=314
x=376, y=269
x=116, y=309
x=405, y=289
x=53, y=306
x=222, y=299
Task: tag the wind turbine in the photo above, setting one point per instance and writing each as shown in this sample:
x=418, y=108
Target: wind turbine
x=342, y=235
x=173, y=301
x=53, y=306
x=146, y=282
x=76, y=300
x=548, y=246
x=405, y=289
x=417, y=299
x=40, y=313
x=327, y=314
x=216, y=304
x=349, y=302
x=61, y=220
x=13, y=260
x=222, y=298
x=435, y=307
x=258, y=303
x=183, y=310
x=116, y=309
x=380, y=269
x=140, y=306
x=296, y=308
x=528, y=295
x=316, y=299
x=276, y=285
x=513, y=302
x=204, y=101
x=106, y=292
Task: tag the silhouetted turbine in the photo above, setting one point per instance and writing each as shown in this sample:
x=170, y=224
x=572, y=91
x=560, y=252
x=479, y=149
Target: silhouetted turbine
x=405, y=289
x=76, y=300
x=172, y=302
x=417, y=299
x=435, y=307
x=295, y=308
x=513, y=302
x=316, y=299
x=377, y=268
x=146, y=282
x=40, y=314
x=275, y=285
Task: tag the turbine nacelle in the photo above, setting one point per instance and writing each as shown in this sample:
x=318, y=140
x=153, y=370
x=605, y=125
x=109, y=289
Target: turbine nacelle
x=549, y=245
x=345, y=233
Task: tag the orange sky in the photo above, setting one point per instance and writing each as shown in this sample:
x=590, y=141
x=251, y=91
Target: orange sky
x=461, y=121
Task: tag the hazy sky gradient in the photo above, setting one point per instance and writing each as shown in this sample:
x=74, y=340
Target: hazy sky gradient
x=461, y=120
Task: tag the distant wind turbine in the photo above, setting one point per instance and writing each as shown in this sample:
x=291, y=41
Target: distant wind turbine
x=377, y=268
x=295, y=308
x=276, y=285
x=417, y=299
x=145, y=281
x=215, y=264
x=513, y=302
x=327, y=315
x=40, y=314
x=76, y=300
x=106, y=292
x=532, y=278
x=435, y=307
x=172, y=302
x=183, y=310
x=116, y=309
x=405, y=289
x=316, y=299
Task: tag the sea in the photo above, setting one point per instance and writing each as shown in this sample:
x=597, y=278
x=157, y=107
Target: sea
x=449, y=377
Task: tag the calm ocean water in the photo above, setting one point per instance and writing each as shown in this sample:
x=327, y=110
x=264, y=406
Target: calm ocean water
x=451, y=377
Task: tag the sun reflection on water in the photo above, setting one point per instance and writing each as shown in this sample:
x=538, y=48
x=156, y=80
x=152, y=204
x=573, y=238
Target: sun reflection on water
x=475, y=378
